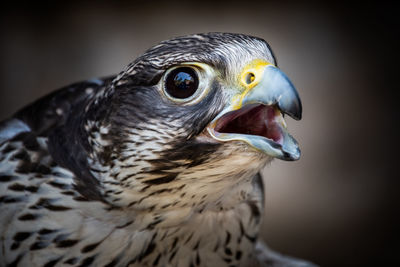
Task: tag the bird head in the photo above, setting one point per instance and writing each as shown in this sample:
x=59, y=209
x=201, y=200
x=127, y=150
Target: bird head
x=193, y=117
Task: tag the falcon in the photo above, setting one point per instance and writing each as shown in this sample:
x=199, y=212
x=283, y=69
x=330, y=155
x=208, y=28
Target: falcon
x=156, y=166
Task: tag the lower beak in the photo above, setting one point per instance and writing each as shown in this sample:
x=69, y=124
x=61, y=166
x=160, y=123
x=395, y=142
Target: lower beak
x=258, y=119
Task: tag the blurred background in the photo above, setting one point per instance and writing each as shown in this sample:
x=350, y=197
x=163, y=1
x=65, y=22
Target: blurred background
x=338, y=205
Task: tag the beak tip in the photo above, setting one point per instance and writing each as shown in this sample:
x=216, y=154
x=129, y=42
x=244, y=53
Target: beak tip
x=293, y=109
x=298, y=115
x=292, y=156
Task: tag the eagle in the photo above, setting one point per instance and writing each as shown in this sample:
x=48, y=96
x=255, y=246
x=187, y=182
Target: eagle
x=156, y=166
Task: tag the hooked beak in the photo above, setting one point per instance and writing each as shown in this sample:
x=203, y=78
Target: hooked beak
x=256, y=115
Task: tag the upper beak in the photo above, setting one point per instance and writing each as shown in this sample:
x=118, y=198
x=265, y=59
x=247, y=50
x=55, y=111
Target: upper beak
x=255, y=116
x=275, y=88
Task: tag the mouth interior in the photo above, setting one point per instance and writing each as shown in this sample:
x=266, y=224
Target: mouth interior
x=256, y=119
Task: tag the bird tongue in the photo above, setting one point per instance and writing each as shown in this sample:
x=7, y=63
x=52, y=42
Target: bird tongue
x=253, y=120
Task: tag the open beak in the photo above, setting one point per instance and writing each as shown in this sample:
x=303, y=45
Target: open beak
x=255, y=116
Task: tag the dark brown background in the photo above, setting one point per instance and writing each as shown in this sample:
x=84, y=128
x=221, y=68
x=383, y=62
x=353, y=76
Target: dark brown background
x=337, y=206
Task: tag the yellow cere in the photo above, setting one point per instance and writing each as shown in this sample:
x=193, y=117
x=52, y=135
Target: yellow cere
x=249, y=77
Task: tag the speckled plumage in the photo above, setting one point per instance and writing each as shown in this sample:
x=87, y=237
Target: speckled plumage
x=109, y=173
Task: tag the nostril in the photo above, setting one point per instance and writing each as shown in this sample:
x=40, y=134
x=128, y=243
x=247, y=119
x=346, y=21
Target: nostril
x=250, y=77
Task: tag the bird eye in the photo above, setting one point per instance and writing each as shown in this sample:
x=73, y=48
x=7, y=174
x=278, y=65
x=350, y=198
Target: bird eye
x=181, y=83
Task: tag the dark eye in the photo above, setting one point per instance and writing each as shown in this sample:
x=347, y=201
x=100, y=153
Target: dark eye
x=181, y=83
